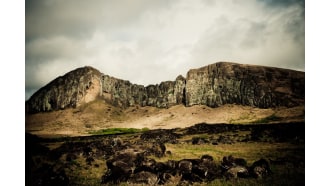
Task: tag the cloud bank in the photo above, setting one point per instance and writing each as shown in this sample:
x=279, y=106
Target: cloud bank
x=148, y=41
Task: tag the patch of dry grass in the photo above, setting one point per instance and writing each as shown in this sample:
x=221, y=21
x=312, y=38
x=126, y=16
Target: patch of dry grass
x=83, y=174
x=250, y=151
x=98, y=114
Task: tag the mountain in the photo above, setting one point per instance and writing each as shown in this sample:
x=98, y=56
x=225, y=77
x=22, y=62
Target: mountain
x=213, y=85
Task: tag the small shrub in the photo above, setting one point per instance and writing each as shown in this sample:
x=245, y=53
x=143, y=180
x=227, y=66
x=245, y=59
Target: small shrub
x=268, y=119
x=118, y=131
x=88, y=126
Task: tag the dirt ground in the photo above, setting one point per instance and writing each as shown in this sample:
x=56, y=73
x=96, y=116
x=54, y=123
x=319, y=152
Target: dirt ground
x=98, y=115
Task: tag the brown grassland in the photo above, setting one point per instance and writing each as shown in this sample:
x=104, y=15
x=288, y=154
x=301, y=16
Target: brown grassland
x=56, y=141
x=97, y=115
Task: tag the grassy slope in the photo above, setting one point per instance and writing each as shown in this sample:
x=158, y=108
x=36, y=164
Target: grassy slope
x=98, y=115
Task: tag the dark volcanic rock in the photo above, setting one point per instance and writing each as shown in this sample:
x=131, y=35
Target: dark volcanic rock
x=160, y=135
x=144, y=177
x=131, y=160
x=213, y=85
x=237, y=172
x=260, y=168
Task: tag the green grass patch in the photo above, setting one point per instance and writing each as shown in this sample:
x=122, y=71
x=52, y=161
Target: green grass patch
x=251, y=151
x=118, y=131
x=268, y=119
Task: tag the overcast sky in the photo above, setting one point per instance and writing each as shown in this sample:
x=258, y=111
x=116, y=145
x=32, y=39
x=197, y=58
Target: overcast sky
x=149, y=41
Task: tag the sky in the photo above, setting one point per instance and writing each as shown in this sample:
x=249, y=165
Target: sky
x=149, y=41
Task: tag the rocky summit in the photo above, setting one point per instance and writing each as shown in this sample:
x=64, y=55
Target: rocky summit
x=213, y=85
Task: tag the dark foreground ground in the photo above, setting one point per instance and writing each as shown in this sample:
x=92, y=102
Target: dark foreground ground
x=204, y=154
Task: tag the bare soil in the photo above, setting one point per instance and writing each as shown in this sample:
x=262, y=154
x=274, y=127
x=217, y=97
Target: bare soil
x=98, y=115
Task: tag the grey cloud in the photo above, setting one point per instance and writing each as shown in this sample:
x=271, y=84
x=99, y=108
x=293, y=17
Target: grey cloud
x=80, y=18
x=29, y=91
x=283, y=3
x=254, y=35
x=61, y=31
x=42, y=50
x=149, y=41
x=276, y=40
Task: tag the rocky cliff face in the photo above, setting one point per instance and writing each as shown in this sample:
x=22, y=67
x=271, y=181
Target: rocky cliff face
x=213, y=85
x=259, y=86
x=124, y=94
x=71, y=90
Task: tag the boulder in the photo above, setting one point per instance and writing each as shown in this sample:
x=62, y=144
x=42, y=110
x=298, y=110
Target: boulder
x=260, y=168
x=237, y=172
x=144, y=177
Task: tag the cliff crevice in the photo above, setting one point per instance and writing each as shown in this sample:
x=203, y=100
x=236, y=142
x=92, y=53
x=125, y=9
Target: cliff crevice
x=213, y=85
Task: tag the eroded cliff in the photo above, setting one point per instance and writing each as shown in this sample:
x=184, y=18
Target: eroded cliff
x=259, y=86
x=71, y=90
x=213, y=85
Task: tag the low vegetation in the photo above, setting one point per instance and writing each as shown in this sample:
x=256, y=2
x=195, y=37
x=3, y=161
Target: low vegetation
x=88, y=160
x=252, y=119
x=118, y=131
x=268, y=119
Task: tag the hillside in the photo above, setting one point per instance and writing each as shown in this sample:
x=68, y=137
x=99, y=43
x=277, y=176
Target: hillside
x=99, y=115
x=85, y=100
x=222, y=124
x=213, y=85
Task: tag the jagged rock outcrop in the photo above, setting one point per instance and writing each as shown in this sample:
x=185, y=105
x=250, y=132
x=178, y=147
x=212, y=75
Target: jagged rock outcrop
x=124, y=94
x=213, y=85
x=231, y=83
x=71, y=90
